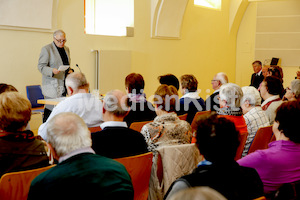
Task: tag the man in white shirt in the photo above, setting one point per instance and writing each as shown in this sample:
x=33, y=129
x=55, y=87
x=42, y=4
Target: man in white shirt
x=80, y=102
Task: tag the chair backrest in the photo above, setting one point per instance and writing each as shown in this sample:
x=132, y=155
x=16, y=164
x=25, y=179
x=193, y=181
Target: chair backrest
x=194, y=123
x=262, y=139
x=95, y=129
x=34, y=92
x=242, y=138
x=261, y=198
x=137, y=126
x=196, y=118
x=139, y=169
x=15, y=185
x=183, y=117
x=173, y=162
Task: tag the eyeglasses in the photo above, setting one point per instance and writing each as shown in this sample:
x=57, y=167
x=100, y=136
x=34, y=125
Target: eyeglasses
x=214, y=80
x=61, y=41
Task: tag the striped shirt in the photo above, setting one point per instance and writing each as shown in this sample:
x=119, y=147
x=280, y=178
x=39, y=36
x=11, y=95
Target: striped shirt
x=255, y=119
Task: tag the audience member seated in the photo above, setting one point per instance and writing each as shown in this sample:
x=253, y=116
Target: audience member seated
x=270, y=90
x=169, y=79
x=279, y=163
x=212, y=102
x=7, y=88
x=293, y=91
x=141, y=109
x=80, y=174
x=10, y=88
x=265, y=70
x=254, y=116
x=217, y=140
x=80, y=102
x=276, y=71
x=116, y=140
x=190, y=102
x=167, y=128
x=20, y=150
x=198, y=193
x=230, y=108
x=257, y=77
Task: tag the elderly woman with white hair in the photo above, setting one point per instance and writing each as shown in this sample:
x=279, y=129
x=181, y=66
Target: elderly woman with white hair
x=254, y=116
x=230, y=107
x=293, y=91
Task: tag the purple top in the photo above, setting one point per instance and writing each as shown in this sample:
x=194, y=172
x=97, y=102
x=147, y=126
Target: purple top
x=278, y=164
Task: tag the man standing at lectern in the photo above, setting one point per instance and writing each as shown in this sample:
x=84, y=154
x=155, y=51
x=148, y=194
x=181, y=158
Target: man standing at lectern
x=257, y=77
x=53, y=56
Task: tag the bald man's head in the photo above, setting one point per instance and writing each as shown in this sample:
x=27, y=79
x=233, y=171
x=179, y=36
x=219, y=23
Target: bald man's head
x=67, y=132
x=116, y=102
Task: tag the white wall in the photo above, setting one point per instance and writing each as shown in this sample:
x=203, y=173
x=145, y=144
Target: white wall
x=269, y=29
x=245, y=48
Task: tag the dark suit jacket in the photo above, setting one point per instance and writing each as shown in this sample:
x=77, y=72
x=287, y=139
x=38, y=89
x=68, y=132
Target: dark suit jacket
x=118, y=142
x=212, y=102
x=193, y=106
x=137, y=115
x=256, y=80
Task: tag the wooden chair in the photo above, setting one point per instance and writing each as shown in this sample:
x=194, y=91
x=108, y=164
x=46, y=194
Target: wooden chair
x=242, y=138
x=261, y=198
x=137, y=126
x=196, y=118
x=171, y=162
x=262, y=138
x=95, y=129
x=15, y=185
x=194, y=123
x=273, y=138
x=183, y=117
x=139, y=169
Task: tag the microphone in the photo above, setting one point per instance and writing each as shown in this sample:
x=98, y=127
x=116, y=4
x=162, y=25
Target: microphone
x=78, y=67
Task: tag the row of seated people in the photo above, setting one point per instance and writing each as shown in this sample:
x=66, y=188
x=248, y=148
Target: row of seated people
x=191, y=102
x=79, y=171
x=159, y=129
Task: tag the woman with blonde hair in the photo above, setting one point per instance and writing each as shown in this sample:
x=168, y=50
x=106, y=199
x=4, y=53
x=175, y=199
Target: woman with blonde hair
x=20, y=150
